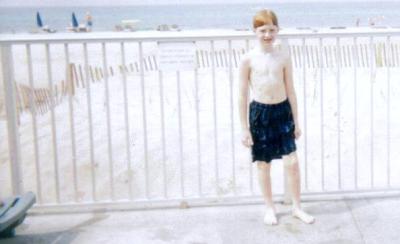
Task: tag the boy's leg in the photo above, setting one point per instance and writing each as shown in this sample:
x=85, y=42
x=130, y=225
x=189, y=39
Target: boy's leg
x=291, y=163
x=264, y=180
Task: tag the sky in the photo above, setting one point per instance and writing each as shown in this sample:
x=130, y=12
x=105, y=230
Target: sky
x=22, y=3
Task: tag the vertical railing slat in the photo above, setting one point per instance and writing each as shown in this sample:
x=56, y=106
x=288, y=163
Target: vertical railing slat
x=230, y=63
x=12, y=118
x=181, y=166
x=388, y=117
x=356, y=62
x=144, y=119
x=338, y=114
x=53, y=121
x=164, y=156
x=251, y=173
x=126, y=118
x=108, y=118
x=71, y=92
x=303, y=48
x=372, y=62
x=321, y=80
x=213, y=57
x=90, y=120
x=32, y=106
x=196, y=88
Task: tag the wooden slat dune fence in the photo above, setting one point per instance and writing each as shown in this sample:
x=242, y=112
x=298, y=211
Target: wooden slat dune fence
x=327, y=57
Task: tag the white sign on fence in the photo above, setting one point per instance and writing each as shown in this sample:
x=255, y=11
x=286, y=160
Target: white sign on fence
x=174, y=56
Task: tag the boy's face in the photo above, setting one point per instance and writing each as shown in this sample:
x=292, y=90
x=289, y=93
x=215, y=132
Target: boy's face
x=266, y=34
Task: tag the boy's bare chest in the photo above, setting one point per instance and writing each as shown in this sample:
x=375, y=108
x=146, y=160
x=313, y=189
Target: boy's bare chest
x=266, y=69
x=265, y=66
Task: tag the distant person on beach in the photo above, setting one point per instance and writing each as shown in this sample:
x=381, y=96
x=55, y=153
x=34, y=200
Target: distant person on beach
x=371, y=21
x=272, y=126
x=89, y=21
x=358, y=22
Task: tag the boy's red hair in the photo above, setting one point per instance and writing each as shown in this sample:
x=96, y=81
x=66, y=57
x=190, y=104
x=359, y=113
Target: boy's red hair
x=261, y=18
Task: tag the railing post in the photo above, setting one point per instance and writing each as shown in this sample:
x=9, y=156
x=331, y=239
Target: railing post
x=11, y=116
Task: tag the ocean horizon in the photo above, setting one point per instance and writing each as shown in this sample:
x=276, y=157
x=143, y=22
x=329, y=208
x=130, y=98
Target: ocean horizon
x=204, y=16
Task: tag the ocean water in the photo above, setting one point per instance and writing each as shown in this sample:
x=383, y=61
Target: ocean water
x=206, y=16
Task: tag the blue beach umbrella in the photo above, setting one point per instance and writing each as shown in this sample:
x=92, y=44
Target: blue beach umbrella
x=75, y=23
x=39, y=20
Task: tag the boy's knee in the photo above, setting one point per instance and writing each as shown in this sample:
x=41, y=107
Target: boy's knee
x=262, y=165
x=290, y=160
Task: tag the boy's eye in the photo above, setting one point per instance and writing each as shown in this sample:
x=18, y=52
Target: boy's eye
x=272, y=30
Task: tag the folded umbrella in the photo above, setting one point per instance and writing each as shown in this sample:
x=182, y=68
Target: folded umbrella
x=75, y=23
x=39, y=21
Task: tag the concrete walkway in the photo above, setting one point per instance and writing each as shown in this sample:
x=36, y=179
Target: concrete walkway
x=365, y=220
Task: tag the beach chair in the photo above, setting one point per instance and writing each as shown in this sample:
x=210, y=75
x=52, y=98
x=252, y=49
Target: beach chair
x=76, y=27
x=41, y=26
x=163, y=27
x=129, y=24
x=13, y=212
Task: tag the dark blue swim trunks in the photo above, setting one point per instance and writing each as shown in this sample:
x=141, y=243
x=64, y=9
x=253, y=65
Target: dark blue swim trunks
x=272, y=130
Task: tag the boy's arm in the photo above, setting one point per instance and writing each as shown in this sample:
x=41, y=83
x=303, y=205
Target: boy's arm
x=244, y=70
x=291, y=93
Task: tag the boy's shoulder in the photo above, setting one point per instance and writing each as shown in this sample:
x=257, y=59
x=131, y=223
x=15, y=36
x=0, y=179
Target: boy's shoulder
x=284, y=49
x=253, y=51
x=246, y=57
x=249, y=55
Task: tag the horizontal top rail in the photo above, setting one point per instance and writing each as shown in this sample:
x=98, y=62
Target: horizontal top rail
x=189, y=35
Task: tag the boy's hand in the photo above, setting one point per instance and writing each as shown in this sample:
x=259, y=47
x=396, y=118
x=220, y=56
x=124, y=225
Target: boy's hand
x=297, y=131
x=246, y=138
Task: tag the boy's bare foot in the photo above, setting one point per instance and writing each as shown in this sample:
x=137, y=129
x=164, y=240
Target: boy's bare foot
x=303, y=216
x=270, y=218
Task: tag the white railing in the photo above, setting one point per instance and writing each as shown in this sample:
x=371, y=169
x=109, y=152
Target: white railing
x=93, y=120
